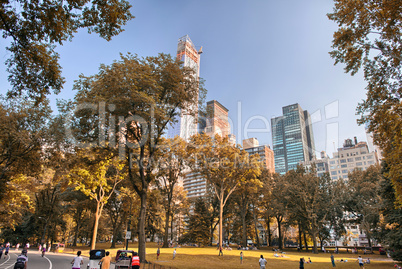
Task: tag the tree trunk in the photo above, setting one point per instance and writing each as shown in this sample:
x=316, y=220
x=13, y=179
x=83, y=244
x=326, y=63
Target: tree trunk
x=141, y=226
x=314, y=235
x=268, y=232
x=305, y=240
x=300, y=236
x=244, y=227
x=256, y=227
x=95, y=230
x=279, y=221
x=171, y=228
x=166, y=236
x=220, y=219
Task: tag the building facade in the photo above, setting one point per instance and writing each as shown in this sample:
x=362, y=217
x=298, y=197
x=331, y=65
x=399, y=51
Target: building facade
x=266, y=154
x=351, y=156
x=217, y=120
x=321, y=165
x=186, y=124
x=292, y=138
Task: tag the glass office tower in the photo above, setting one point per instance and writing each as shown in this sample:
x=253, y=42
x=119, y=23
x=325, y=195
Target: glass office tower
x=292, y=138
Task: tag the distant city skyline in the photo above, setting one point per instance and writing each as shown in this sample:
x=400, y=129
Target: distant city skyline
x=258, y=57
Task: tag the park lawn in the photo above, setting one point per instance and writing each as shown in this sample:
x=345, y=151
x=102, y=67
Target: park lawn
x=207, y=257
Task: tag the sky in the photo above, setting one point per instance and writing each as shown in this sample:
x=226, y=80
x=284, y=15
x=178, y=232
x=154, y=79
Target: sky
x=258, y=56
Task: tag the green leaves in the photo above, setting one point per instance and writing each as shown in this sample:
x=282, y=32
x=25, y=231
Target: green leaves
x=35, y=27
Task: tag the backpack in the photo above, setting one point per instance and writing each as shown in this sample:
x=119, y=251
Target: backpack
x=20, y=263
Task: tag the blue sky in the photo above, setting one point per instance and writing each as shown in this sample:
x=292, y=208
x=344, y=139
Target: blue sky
x=259, y=55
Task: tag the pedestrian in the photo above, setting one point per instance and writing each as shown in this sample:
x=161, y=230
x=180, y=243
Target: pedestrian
x=360, y=261
x=105, y=261
x=135, y=262
x=220, y=251
x=7, y=250
x=332, y=260
x=17, y=246
x=174, y=254
x=262, y=262
x=1, y=250
x=158, y=252
x=241, y=257
x=309, y=260
x=77, y=261
x=301, y=263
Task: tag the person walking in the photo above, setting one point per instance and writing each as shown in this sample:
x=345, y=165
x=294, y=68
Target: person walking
x=7, y=250
x=105, y=261
x=174, y=254
x=301, y=263
x=360, y=261
x=332, y=260
x=158, y=252
x=135, y=262
x=262, y=262
x=17, y=246
x=77, y=261
x=241, y=257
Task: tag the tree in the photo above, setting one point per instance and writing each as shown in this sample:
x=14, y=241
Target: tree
x=223, y=165
x=246, y=196
x=369, y=37
x=363, y=199
x=23, y=130
x=35, y=27
x=266, y=179
x=278, y=204
x=391, y=232
x=310, y=198
x=198, y=224
x=147, y=95
x=96, y=174
x=172, y=168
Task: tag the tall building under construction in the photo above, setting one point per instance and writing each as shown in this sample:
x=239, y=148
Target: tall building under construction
x=186, y=124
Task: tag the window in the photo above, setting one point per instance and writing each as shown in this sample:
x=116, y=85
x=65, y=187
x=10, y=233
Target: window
x=332, y=162
x=345, y=171
x=344, y=165
x=370, y=162
x=350, y=160
x=370, y=157
x=334, y=173
x=358, y=158
x=359, y=164
x=343, y=161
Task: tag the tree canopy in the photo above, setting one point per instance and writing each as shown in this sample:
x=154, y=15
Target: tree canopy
x=369, y=38
x=34, y=28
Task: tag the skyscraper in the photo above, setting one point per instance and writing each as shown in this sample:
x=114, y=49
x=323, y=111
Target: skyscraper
x=252, y=146
x=186, y=125
x=217, y=120
x=292, y=138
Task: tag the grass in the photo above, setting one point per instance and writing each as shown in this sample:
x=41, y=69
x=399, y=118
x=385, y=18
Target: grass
x=200, y=258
